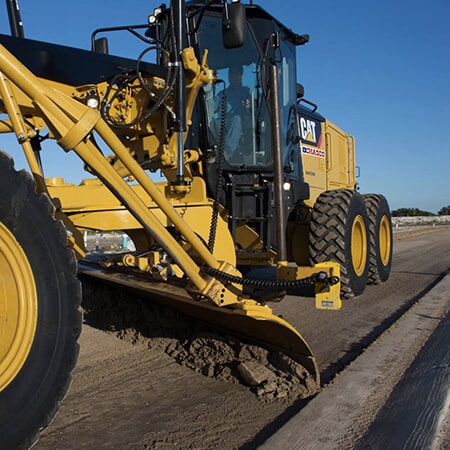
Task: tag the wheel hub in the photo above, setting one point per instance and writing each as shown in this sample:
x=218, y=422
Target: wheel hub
x=385, y=240
x=18, y=307
x=359, y=245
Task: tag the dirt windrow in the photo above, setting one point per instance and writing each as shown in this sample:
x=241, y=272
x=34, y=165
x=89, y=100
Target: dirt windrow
x=269, y=375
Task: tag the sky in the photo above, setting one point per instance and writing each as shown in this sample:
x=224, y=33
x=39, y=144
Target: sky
x=380, y=70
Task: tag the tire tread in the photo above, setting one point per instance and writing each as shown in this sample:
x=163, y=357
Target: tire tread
x=24, y=195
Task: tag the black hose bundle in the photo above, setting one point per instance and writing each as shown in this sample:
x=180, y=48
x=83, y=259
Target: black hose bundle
x=319, y=277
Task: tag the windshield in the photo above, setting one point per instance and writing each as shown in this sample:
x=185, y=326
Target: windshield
x=236, y=102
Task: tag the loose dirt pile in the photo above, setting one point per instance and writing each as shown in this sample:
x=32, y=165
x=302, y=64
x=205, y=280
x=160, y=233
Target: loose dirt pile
x=269, y=375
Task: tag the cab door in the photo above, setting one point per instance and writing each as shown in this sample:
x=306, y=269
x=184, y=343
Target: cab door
x=340, y=158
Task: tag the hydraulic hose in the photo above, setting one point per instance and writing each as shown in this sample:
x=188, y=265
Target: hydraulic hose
x=319, y=277
x=219, y=171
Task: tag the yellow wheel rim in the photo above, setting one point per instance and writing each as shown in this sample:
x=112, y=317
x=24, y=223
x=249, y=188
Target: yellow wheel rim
x=18, y=307
x=359, y=245
x=385, y=241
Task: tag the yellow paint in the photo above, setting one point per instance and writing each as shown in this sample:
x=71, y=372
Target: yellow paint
x=333, y=165
x=18, y=307
x=385, y=242
x=359, y=245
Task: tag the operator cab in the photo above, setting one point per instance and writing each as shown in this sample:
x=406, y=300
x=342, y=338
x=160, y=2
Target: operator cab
x=266, y=42
x=234, y=115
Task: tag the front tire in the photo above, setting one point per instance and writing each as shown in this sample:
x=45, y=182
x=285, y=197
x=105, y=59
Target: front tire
x=39, y=317
x=339, y=232
x=380, y=233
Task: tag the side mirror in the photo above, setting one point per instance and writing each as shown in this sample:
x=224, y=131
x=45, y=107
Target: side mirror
x=233, y=25
x=100, y=45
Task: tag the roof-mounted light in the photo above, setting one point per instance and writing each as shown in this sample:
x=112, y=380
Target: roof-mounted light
x=156, y=12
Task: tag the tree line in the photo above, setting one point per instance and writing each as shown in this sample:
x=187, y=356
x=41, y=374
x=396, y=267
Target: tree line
x=415, y=212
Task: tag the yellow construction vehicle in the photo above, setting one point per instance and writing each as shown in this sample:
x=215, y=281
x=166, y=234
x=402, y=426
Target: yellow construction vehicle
x=254, y=176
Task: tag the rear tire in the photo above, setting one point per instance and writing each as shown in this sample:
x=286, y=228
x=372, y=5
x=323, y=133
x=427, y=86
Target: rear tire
x=339, y=232
x=39, y=296
x=380, y=235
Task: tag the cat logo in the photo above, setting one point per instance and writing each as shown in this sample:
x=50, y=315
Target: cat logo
x=308, y=130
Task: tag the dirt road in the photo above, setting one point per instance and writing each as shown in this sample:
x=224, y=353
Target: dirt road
x=133, y=395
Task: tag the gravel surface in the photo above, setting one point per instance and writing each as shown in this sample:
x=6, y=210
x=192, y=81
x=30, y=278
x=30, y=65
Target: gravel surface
x=130, y=392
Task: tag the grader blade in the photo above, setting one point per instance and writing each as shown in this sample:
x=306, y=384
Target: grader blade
x=248, y=321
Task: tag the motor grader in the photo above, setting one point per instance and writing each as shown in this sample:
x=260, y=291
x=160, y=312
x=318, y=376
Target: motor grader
x=269, y=183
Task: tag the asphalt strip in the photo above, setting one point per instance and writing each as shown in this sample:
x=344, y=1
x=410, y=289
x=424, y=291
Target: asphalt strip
x=398, y=389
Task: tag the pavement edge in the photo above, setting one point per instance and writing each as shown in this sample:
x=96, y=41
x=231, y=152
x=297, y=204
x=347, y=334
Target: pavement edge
x=343, y=412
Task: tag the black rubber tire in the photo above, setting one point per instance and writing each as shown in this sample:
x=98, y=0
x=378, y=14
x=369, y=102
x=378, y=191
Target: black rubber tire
x=380, y=236
x=30, y=401
x=330, y=238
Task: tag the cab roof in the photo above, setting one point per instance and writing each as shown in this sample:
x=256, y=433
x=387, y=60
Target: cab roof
x=252, y=11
